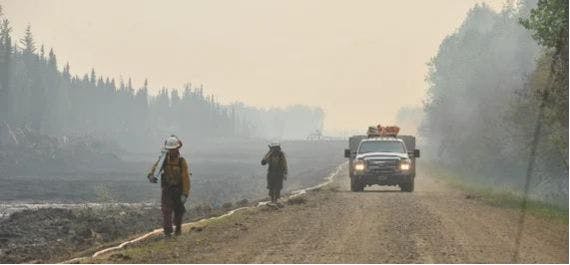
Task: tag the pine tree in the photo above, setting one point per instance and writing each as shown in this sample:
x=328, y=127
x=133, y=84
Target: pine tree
x=93, y=77
x=52, y=61
x=42, y=53
x=6, y=97
x=65, y=73
x=28, y=43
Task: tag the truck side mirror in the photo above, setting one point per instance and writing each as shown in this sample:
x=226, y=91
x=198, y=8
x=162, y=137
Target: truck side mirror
x=417, y=153
x=347, y=153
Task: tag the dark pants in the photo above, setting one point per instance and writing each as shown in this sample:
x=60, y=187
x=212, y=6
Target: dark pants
x=170, y=203
x=274, y=194
x=274, y=185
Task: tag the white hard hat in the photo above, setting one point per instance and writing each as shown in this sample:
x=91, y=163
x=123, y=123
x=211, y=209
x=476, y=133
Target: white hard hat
x=172, y=142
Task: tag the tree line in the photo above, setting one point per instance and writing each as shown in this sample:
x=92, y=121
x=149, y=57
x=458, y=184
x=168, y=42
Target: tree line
x=485, y=86
x=35, y=94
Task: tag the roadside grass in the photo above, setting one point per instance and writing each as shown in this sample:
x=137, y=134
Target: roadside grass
x=498, y=196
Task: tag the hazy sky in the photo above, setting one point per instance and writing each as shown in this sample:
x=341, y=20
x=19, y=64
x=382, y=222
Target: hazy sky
x=358, y=60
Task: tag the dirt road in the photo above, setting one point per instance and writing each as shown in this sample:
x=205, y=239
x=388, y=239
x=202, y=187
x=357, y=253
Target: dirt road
x=435, y=224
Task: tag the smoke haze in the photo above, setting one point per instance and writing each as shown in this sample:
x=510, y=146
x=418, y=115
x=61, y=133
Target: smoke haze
x=317, y=53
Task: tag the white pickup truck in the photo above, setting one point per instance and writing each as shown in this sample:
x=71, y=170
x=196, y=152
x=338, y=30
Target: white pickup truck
x=381, y=160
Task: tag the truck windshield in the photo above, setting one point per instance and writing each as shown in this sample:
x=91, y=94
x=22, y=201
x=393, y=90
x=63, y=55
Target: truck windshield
x=381, y=146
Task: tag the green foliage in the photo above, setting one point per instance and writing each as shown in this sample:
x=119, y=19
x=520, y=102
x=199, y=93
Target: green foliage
x=483, y=97
x=540, y=83
x=548, y=23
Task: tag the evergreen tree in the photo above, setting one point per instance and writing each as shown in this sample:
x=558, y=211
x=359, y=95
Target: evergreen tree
x=6, y=97
x=28, y=43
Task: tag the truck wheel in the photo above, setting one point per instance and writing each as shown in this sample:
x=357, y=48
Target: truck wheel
x=353, y=185
x=407, y=187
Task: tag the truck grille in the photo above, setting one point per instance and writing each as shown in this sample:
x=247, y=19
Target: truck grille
x=386, y=166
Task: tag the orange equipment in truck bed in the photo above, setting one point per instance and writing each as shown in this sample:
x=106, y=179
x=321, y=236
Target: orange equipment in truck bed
x=379, y=130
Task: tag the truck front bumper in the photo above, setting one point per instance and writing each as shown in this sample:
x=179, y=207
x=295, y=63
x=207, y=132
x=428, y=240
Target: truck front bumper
x=368, y=178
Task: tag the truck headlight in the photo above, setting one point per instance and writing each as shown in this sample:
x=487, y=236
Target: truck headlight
x=405, y=165
x=359, y=166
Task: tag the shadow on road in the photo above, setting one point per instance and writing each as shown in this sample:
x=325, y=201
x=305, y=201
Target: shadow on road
x=372, y=191
x=382, y=191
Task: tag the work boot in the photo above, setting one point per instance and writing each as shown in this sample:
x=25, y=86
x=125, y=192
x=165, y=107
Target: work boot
x=178, y=231
x=273, y=196
x=167, y=232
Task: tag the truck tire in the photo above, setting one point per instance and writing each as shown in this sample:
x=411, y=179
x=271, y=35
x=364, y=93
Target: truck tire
x=355, y=185
x=408, y=187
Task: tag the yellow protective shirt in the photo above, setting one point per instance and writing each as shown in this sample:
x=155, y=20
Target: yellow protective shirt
x=176, y=172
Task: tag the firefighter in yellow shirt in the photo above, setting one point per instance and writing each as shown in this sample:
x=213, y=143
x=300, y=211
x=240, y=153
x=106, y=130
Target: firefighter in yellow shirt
x=175, y=185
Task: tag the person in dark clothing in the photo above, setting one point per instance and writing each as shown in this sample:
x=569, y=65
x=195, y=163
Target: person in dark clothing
x=276, y=170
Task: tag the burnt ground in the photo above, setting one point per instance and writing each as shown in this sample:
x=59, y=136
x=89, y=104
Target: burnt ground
x=51, y=234
x=223, y=178
x=36, y=235
x=222, y=172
